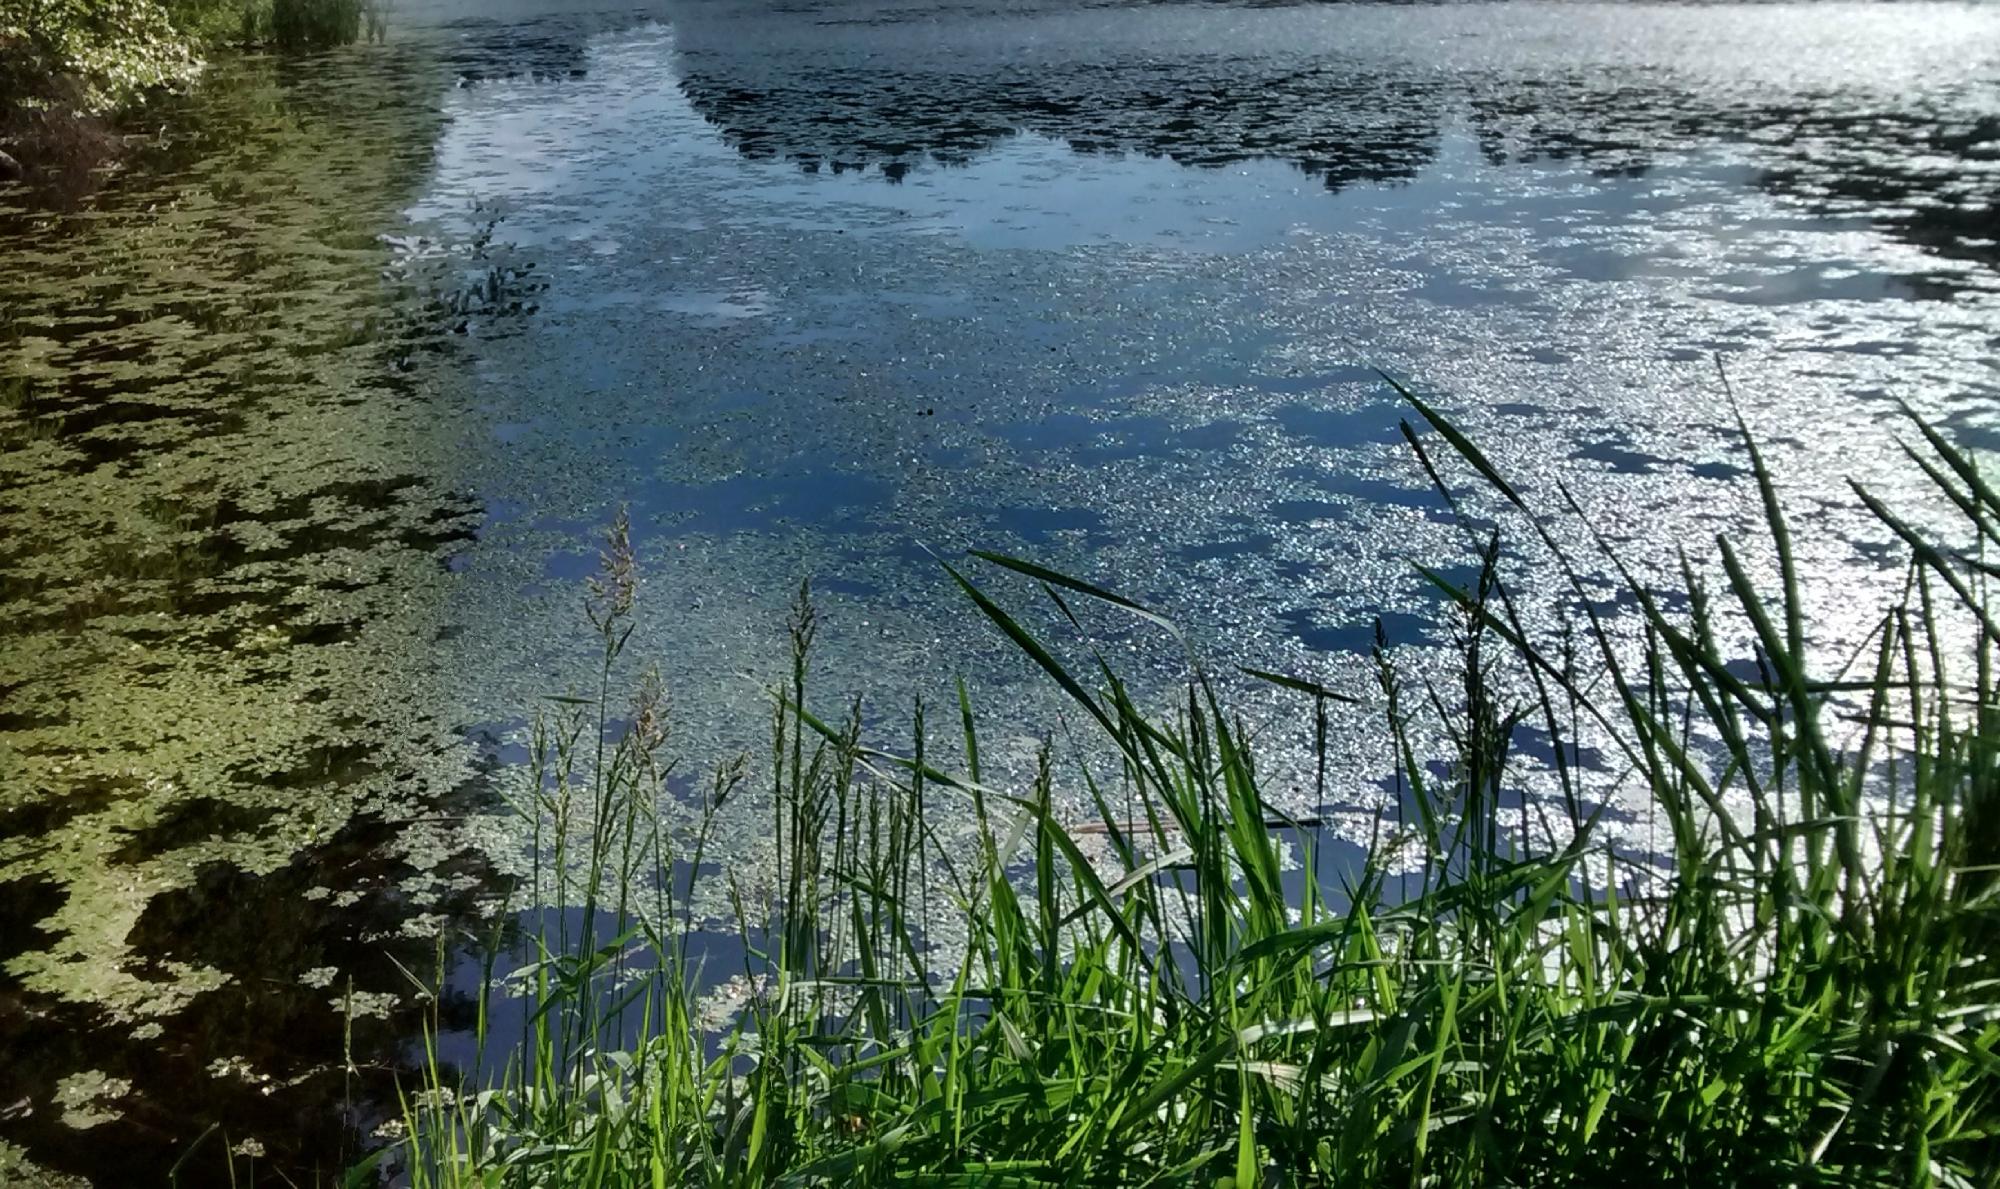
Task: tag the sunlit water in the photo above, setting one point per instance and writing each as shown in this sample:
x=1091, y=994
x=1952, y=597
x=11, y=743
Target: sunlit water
x=315, y=417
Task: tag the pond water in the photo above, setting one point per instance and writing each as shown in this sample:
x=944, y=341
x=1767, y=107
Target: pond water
x=313, y=417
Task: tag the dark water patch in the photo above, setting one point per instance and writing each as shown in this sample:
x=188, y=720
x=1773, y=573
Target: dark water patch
x=1299, y=385
x=1612, y=601
x=832, y=500
x=1048, y=524
x=569, y=567
x=1340, y=427
x=1335, y=864
x=309, y=979
x=26, y=902
x=1357, y=634
x=1308, y=511
x=321, y=766
x=1208, y=438
x=1526, y=410
x=28, y=722
x=847, y=587
x=1616, y=452
x=195, y=820
x=1088, y=436
x=498, y=745
x=1532, y=739
x=1097, y=439
x=1972, y=429
x=503, y=47
x=1367, y=489
x=1250, y=546
x=1727, y=472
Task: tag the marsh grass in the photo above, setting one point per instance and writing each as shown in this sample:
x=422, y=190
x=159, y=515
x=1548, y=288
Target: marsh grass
x=319, y=24
x=1799, y=990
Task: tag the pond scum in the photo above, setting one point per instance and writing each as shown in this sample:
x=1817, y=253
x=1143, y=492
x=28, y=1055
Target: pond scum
x=1799, y=990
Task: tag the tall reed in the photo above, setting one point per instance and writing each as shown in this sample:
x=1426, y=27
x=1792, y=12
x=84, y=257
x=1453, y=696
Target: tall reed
x=1799, y=990
x=319, y=24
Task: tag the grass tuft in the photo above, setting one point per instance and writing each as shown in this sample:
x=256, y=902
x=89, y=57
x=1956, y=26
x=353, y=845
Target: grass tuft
x=1799, y=990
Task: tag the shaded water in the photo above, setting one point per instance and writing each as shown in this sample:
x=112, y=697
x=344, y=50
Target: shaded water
x=309, y=421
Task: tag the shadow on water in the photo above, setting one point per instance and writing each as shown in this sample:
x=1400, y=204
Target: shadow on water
x=294, y=1057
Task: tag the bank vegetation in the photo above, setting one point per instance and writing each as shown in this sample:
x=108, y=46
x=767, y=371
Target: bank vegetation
x=1793, y=985
x=74, y=74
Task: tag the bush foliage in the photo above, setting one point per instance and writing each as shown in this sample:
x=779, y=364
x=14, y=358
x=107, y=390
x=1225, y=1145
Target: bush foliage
x=67, y=65
x=91, y=56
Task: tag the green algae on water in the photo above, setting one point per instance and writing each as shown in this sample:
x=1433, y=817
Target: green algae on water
x=223, y=539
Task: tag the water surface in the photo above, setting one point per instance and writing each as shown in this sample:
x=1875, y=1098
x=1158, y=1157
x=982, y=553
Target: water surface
x=313, y=418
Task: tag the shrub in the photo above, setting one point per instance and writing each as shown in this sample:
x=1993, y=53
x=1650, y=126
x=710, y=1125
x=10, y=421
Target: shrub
x=89, y=57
